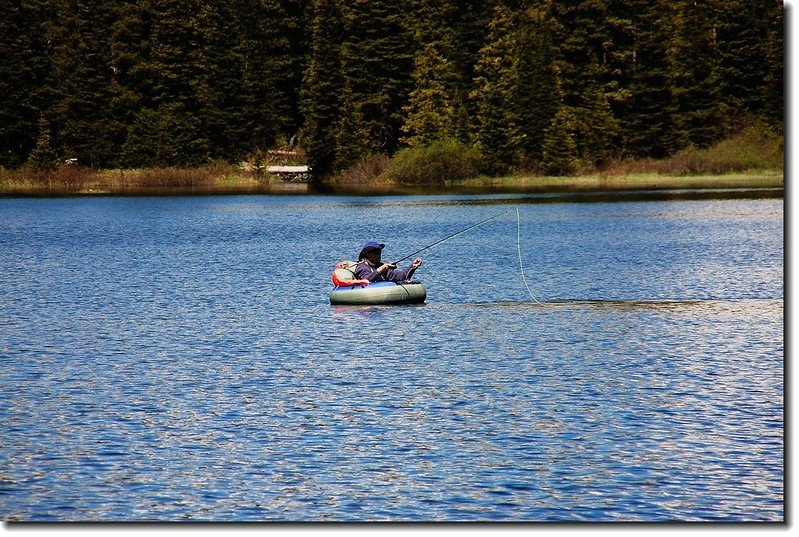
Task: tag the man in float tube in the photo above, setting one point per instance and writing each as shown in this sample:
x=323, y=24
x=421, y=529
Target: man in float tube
x=371, y=268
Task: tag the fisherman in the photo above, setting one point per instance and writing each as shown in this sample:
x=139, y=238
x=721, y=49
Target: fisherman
x=371, y=268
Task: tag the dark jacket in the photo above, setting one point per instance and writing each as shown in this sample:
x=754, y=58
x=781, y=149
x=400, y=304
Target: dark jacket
x=368, y=271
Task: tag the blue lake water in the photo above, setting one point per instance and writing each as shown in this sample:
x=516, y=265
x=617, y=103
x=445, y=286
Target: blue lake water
x=176, y=358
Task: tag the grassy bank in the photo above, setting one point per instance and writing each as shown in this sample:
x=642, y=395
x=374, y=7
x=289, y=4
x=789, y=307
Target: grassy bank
x=182, y=181
x=751, y=160
x=217, y=178
x=645, y=181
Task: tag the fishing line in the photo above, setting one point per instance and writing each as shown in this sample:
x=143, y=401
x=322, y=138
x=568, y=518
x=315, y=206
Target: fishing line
x=453, y=235
x=518, y=246
x=519, y=249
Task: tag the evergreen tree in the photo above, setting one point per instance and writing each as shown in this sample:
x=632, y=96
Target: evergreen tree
x=742, y=36
x=82, y=111
x=585, y=48
x=177, y=51
x=271, y=53
x=470, y=26
x=44, y=156
x=538, y=95
x=221, y=99
x=647, y=112
x=559, y=150
x=774, y=82
x=322, y=85
x=166, y=136
x=173, y=103
x=377, y=60
x=597, y=132
x=141, y=147
x=591, y=62
x=293, y=62
x=131, y=64
x=352, y=134
x=430, y=111
x=516, y=89
x=23, y=68
x=702, y=113
x=171, y=82
x=498, y=134
x=449, y=35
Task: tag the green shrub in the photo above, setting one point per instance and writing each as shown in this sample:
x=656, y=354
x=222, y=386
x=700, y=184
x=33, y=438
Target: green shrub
x=182, y=177
x=756, y=147
x=44, y=157
x=559, y=150
x=364, y=171
x=438, y=163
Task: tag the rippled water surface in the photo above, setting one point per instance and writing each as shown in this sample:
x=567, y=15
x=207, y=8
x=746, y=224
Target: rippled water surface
x=177, y=358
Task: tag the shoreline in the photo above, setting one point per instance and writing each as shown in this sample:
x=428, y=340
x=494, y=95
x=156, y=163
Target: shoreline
x=107, y=183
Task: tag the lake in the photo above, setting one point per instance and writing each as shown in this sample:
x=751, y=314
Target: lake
x=177, y=358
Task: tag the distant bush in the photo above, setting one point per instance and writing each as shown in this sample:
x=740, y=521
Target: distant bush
x=756, y=147
x=434, y=164
x=64, y=177
x=71, y=178
x=167, y=177
x=366, y=171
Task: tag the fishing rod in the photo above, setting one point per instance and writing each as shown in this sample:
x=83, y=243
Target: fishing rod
x=451, y=236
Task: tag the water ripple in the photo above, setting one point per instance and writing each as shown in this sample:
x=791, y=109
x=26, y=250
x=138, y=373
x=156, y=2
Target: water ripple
x=165, y=364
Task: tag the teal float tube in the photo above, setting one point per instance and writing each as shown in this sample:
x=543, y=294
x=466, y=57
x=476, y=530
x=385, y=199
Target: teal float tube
x=379, y=293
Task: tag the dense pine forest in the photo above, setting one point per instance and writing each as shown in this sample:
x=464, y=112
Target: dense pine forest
x=544, y=85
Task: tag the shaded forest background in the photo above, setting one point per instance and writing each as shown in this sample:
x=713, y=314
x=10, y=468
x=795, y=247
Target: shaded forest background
x=544, y=85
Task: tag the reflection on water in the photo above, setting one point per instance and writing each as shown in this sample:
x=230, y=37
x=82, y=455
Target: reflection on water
x=548, y=193
x=714, y=307
x=177, y=359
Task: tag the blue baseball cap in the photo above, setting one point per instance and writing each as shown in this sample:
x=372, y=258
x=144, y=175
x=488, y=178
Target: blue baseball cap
x=372, y=245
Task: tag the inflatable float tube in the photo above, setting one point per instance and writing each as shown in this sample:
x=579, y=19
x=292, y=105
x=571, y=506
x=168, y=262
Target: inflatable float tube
x=379, y=293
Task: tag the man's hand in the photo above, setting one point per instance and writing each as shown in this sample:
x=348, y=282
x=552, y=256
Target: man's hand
x=384, y=267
